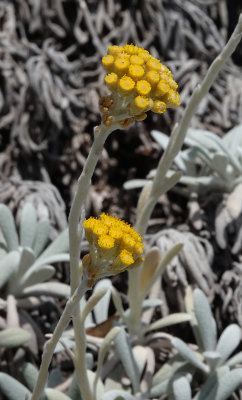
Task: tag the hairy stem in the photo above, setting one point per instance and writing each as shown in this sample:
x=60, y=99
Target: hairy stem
x=75, y=232
x=50, y=345
x=175, y=143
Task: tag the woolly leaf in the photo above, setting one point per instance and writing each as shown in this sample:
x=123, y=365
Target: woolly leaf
x=168, y=369
x=7, y=226
x=151, y=261
x=188, y=354
x=12, y=389
x=236, y=359
x=117, y=395
x=8, y=265
x=92, y=301
x=151, y=303
x=126, y=356
x=54, y=378
x=41, y=236
x=39, y=275
x=134, y=184
x=206, y=323
x=59, y=245
x=53, y=394
x=27, y=225
x=48, y=288
x=229, y=340
x=26, y=261
x=182, y=389
x=220, y=385
x=30, y=374
x=101, y=308
x=13, y=337
x=171, y=319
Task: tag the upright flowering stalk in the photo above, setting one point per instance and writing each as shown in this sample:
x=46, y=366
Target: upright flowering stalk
x=138, y=83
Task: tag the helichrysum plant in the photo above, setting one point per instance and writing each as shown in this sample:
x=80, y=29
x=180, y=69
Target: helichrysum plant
x=138, y=83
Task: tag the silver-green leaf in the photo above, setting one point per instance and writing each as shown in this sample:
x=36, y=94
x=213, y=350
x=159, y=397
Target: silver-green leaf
x=12, y=389
x=27, y=225
x=13, y=337
x=7, y=226
x=228, y=341
x=206, y=323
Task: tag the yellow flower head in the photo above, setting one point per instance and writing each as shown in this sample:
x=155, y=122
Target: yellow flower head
x=132, y=74
x=114, y=247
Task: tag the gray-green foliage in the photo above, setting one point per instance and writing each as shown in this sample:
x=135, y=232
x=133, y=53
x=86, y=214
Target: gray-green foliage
x=212, y=356
x=24, y=264
x=209, y=162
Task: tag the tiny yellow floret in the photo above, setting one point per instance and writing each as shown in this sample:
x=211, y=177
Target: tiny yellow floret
x=114, y=50
x=143, y=87
x=162, y=88
x=158, y=107
x=126, y=85
x=125, y=258
x=172, y=98
x=111, y=81
x=136, y=60
x=136, y=72
x=121, y=65
x=153, y=64
x=153, y=77
x=131, y=49
x=106, y=242
x=139, y=105
x=107, y=62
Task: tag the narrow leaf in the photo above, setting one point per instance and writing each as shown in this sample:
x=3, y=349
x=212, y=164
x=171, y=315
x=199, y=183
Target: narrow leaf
x=92, y=301
x=26, y=261
x=13, y=337
x=151, y=261
x=117, y=395
x=27, y=225
x=172, y=319
x=39, y=275
x=12, y=389
x=188, y=354
x=164, y=262
x=7, y=226
x=101, y=308
x=182, y=389
x=41, y=236
x=229, y=340
x=8, y=265
x=53, y=394
x=59, y=245
x=220, y=385
x=126, y=356
x=206, y=323
x=48, y=288
x=102, y=353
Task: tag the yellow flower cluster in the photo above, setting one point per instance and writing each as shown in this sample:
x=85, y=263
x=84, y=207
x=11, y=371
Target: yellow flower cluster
x=140, y=80
x=114, y=247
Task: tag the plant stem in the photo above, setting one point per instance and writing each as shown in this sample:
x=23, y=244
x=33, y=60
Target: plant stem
x=80, y=360
x=75, y=232
x=100, y=135
x=175, y=143
x=50, y=345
